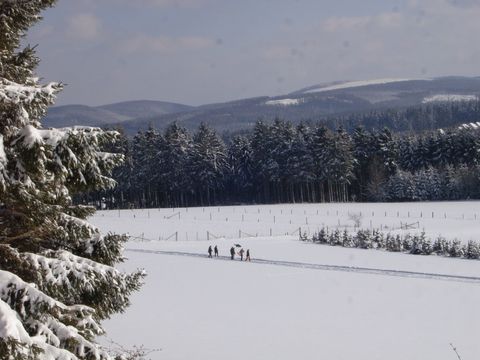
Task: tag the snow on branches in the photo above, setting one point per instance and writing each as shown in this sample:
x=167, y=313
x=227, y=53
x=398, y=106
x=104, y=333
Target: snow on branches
x=57, y=280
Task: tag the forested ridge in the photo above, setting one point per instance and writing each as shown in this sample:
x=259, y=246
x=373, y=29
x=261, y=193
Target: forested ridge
x=280, y=162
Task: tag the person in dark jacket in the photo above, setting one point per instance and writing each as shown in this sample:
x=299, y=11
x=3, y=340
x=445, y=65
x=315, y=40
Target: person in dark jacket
x=241, y=252
x=215, y=250
x=247, y=257
x=210, y=251
x=232, y=252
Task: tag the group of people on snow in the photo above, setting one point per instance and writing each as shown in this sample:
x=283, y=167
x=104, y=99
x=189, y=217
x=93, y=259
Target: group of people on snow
x=240, y=253
x=215, y=250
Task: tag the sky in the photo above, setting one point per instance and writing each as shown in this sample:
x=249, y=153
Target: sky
x=206, y=51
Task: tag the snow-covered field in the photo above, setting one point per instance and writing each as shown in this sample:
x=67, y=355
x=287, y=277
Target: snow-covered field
x=297, y=300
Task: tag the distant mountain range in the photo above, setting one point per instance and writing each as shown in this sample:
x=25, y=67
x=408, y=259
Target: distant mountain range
x=69, y=115
x=312, y=103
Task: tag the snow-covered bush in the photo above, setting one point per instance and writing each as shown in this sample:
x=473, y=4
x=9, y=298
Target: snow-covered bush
x=440, y=246
x=364, y=239
x=417, y=244
x=456, y=249
x=57, y=280
x=473, y=250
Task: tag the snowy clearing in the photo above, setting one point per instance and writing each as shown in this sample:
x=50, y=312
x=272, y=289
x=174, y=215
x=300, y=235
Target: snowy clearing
x=296, y=299
x=353, y=84
x=284, y=102
x=449, y=98
x=452, y=220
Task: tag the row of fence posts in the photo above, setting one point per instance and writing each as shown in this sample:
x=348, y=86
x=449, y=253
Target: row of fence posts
x=212, y=236
x=178, y=213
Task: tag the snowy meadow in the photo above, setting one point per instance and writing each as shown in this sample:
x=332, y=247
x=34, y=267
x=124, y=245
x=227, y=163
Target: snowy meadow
x=297, y=299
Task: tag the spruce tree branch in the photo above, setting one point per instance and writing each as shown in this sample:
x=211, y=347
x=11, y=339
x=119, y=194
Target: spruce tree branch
x=11, y=212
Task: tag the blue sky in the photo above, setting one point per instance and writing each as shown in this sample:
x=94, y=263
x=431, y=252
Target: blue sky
x=204, y=51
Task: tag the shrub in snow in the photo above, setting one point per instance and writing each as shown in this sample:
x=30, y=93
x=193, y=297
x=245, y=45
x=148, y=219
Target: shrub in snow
x=472, y=251
x=347, y=240
x=393, y=243
x=364, y=239
x=417, y=244
x=335, y=238
x=440, y=246
x=456, y=249
x=427, y=247
x=407, y=242
x=378, y=240
x=322, y=236
x=57, y=280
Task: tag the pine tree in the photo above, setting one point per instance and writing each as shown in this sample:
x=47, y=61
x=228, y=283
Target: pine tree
x=174, y=159
x=56, y=270
x=208, y=162
x=473, y=250
x=241, y=167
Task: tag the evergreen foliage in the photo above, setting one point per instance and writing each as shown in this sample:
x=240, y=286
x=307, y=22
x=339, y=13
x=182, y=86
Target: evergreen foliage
x=280, y=163
x=57, y=280
x=416, y=244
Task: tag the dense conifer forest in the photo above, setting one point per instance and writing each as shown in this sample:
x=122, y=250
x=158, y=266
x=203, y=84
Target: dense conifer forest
x=282, y=162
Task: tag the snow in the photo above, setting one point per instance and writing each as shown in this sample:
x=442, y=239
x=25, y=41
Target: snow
x=13, y=93
x=193, y=307
x=354, y=84
x=3, y=155
x=284, y=102
x=449, y=98
x=449, y=219
x=472, y=126
x=10, y=326
x=31, y=136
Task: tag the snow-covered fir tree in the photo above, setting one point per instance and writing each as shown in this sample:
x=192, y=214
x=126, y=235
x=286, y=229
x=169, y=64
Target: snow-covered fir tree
x=57, y=280
x=208, y=163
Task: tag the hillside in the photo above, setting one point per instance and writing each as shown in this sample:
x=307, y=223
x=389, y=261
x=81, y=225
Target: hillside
x=311, y=103
x=69, y=115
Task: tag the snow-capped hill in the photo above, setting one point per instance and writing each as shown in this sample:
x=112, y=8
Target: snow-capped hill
x=284, y=102
x=354, y=84
x=449, y=98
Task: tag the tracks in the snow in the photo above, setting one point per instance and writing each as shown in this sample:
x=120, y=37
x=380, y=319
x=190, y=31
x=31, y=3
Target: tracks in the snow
x=354, y=269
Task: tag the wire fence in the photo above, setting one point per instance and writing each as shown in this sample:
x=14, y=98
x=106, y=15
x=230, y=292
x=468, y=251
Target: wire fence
x=249, y=215
x=209, y=223
x=209, y=235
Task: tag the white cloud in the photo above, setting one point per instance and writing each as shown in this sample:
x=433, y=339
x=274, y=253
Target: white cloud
x=164, y=44
x=84, y=26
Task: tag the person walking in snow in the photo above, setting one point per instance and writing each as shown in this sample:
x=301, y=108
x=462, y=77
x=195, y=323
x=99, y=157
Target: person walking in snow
x=210, y=251
x=247, y=257
x=232, y=252
x=241, y=252
x=215, y=250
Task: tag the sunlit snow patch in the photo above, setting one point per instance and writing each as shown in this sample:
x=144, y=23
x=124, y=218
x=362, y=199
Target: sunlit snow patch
x=449, y=98
x=284, y=102
x=353, y=84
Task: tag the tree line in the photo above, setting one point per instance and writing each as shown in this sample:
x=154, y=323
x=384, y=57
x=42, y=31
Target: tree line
x=279, y=162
